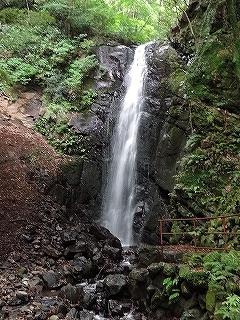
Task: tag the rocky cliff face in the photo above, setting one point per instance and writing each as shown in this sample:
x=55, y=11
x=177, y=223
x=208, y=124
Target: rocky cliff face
x=86, y=174
x=162, y=135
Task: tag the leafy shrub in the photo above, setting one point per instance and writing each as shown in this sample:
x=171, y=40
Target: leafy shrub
x=87, y=99
x=19, y=71
x=193, y=259
x=170, y=285
x=15, y=3
x=54, y=125
x=78, y=70
x=12, y=15
x=230, y=308
x=62, y=50
x=209, y=177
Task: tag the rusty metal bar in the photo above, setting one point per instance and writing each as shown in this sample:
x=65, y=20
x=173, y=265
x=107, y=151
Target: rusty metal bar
x=187, y=233
x=200, y=218
x=195, y=238
x=225, y=233
x=194, y=220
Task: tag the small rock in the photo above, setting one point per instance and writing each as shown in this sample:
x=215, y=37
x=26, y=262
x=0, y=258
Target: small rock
x=72, y=293
x=15, y=302
x=102, y=233
x=22, y=295
x=115, y=308
x=26, y=237
x=25, y=281
x=113, y=253
x=58, y=228
x=52, y=279
x=86, y=315
x=52, y=252
x=72, y=314
x=2, y=303
x=68, y=238
x=114, y=284
x=53, y=317
x=192, y=314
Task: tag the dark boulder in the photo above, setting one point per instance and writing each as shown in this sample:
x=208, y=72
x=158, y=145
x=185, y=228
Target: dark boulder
x=104, y=234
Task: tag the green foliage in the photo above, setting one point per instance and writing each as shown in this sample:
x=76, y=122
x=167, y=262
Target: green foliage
x=92, y=17
x=145, y=20
x=211, y=71
x=176, y=230
x=169, y=14
x=230, y=308
x=11, y=15
x=61, y=137
x=46, y=45
x=34, y=50
x=222, y=263
x=60, y=53
x=78, y=70
x=130, y=21
x=196, y=277
x=126, y=28
x=18, y=71
x=33, y=157
x=54, y=125
x=235, y=24
x=87, y=99
x=223, y=271
x=193, y=142
x=210, y=169
x=219, y=271
x=193, y=259
x=87, y=44
x=54, y=86
x=170, y=285
x=15, y=3
x=39, y=19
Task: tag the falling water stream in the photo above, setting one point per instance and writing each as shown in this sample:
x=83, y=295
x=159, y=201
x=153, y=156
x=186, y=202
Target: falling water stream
x=119, y=200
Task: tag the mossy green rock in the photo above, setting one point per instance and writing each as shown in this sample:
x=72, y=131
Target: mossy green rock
x=155, y=268
x=73, y=171
x=193, y=276
x=192, y=314
x=159, y=300
x=185, y=289
x=138, y=282
x=210, y=300
x=148, y=255
x=139, y=275
x=169, y=270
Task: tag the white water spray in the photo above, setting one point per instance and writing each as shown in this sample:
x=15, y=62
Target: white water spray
x=119, y=203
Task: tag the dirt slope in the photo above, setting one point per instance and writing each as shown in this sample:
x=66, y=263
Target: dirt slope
x=24, y=155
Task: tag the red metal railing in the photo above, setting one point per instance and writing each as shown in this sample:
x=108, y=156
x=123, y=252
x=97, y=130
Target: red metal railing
x=225, y=233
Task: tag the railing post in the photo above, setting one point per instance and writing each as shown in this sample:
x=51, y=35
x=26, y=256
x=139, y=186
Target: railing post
x=225, y=233
x=195, y=237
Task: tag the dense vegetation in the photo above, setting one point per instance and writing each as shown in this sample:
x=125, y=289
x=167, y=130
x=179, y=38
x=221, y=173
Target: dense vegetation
x=49, y=44
x=208, y=183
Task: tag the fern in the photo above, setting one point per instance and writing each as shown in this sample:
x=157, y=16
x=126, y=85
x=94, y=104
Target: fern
x=230, y=308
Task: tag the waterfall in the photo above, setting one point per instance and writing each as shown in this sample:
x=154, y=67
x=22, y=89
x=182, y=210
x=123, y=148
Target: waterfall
x=119, y=198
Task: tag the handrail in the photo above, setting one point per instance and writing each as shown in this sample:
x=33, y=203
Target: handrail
x=194, y=220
